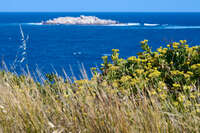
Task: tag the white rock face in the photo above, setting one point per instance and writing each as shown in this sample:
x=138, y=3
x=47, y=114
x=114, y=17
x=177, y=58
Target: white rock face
x=82, y=20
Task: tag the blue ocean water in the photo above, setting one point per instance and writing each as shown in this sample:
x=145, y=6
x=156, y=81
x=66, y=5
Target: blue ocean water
x=56, y=47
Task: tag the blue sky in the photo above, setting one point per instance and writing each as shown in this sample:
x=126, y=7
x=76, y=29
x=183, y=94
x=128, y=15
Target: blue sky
x=101, y=5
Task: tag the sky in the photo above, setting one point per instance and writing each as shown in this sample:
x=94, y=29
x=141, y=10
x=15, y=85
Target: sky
x=100, y=5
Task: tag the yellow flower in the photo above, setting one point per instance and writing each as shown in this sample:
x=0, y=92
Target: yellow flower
x=81, y=82
x=163, y=96
x=143, y=42
x=187, y=62
x=159, y=90
x=136, y=81
x=109, y=65
x=183, y=41
x=186, y=76
x=93, y=68
x=175, y=103
x=134, y=74
x=115, y=84
x=113, y=68
x=146, y=41
x=133, y=82
x=80, y=87
x=185, y=87
x=176, y=44
x=104, y=57
x=149, y=64
x=190, y=73
x=104, y=83
x=168, y=45
x=66, y=96
x=125, y=78
x=186, y=46
x=154, y=74
x=153, y=92
x=164, y=50
x=114, y=58
x=115, y=50
x=162, y=84
x=121, y=60
x=138, y=60
x=176, y=85
x=114, y=91
x=132, y=58
x=177, y=72
x=188, y=103
x=189, y=50
x=156, y=54
x=144, y=60
x=192, y=96
x=139, y=71
x=195, y=66
x=181, y=98
x=159, y=49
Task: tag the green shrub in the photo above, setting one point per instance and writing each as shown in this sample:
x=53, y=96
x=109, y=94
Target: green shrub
x=171, y=73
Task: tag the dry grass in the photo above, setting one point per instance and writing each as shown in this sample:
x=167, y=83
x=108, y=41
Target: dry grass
x=26, y=106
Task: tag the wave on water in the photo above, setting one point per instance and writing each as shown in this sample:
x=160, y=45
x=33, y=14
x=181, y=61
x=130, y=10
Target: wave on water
x=136, y=25
x=119, y=24
x=77, y=53
x=181, y=27
x=34, y=23
x=147, y=24
x=106, y=54
x=125, y=24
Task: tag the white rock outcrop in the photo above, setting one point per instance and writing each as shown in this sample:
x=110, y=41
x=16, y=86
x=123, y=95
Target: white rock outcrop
x=82, y=20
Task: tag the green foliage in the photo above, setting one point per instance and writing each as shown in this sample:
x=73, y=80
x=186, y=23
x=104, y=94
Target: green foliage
x=169, y=73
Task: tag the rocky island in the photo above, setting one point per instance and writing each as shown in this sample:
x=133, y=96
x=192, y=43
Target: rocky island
x=82, y=20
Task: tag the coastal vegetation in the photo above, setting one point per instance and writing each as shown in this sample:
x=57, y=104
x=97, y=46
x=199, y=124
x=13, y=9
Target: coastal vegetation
x=155, y=91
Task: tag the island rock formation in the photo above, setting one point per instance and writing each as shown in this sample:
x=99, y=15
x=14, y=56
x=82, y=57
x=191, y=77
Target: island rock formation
x=82, y=20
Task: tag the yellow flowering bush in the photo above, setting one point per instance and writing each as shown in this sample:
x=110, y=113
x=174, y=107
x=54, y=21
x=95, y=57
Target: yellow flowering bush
x=169, y=71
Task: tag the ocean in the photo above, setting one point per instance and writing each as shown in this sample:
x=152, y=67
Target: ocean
x=54, y=48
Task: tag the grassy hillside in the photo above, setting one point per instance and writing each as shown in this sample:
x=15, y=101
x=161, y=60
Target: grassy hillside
x=157, y=91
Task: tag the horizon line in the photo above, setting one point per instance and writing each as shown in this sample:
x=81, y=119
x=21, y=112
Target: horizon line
x=100, y=11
